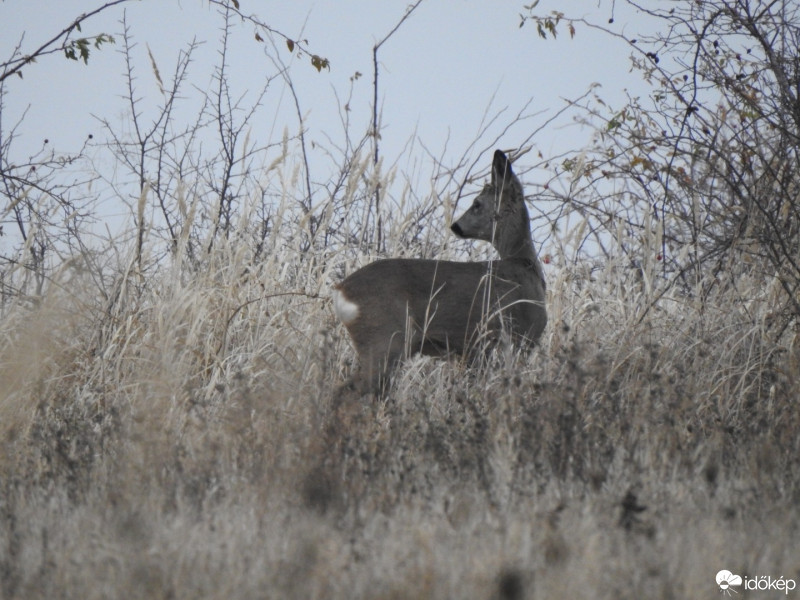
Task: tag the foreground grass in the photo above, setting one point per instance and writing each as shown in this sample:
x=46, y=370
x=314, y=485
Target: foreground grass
x=176, y=440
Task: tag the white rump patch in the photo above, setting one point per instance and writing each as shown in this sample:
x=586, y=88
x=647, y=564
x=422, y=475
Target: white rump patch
x=346, y=311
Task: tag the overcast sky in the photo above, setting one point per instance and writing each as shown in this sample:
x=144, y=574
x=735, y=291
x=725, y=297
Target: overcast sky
x=449, y=63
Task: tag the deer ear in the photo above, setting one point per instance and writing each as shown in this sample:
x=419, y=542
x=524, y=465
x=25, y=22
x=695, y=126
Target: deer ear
x=501, y=168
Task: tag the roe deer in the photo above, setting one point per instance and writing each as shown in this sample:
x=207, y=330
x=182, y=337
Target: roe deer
x=437, y=307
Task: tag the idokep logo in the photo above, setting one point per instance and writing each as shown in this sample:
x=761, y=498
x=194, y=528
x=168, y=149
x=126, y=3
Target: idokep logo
x=727, y=581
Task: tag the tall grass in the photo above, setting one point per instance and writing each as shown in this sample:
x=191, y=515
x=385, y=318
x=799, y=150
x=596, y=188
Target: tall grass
x=170, y=434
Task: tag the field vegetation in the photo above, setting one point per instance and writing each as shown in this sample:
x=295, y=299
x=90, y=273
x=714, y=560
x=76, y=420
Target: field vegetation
x=166, y=419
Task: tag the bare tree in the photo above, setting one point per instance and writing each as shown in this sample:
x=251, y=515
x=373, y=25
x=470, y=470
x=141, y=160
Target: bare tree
x=38, y=207
x=711, y=158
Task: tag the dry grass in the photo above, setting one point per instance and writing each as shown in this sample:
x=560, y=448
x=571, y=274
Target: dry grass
x=175, y=439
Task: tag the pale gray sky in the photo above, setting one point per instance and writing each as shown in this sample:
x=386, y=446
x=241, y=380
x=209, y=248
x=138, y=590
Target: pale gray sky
x=440, y=71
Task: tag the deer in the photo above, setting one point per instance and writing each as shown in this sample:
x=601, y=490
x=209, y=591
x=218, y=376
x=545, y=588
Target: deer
x=400, y=306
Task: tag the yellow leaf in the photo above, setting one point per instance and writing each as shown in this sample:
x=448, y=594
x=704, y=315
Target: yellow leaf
x=641, y=160
x=320, y=63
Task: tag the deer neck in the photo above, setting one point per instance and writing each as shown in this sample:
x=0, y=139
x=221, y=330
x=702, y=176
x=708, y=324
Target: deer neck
x=515, y=241
x=516, y=244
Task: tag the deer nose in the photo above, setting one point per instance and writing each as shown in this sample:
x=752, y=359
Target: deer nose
x=456, y=228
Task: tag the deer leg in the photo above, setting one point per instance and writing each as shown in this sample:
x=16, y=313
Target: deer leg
x=376, y=362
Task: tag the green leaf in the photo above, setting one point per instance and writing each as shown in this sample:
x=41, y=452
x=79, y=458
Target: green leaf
x=103, y=38
x=83, y=48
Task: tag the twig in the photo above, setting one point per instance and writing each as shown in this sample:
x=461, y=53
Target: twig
x=46, y=47
x=375, y=49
